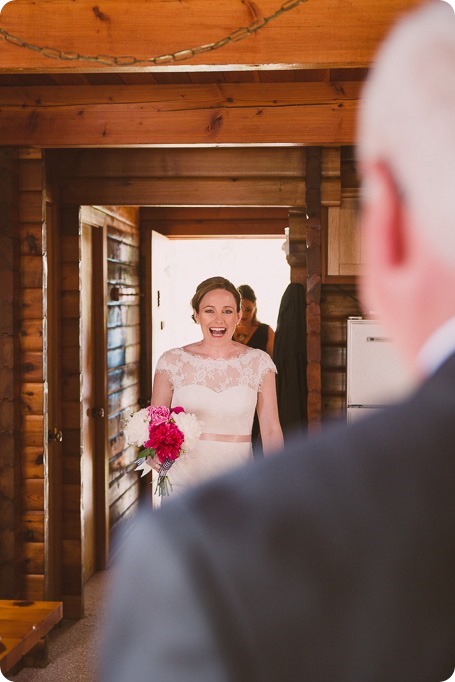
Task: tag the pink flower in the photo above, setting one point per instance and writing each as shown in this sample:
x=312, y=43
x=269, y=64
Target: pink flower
x=177, y=409
x=158, y=415
x=166, y=439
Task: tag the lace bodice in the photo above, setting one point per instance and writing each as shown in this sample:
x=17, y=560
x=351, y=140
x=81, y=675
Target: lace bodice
x=223, y=395
x=246, y=369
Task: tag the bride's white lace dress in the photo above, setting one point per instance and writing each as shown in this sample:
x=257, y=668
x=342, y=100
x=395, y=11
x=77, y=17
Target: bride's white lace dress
x=223, y=394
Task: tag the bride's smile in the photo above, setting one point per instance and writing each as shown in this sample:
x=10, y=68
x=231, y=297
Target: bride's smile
x=217, y=331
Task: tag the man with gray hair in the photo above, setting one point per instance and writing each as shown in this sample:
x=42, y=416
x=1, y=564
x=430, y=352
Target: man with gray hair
x=334, y=561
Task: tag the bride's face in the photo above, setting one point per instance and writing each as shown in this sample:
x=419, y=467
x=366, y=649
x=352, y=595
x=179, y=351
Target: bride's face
x=217, y=315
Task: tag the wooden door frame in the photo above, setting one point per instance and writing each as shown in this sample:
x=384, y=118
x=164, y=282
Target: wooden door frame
x=57, y=578
x=101, y=472
x=53, y=400
x=98, y=309
x=145, y=266
x=71, y=203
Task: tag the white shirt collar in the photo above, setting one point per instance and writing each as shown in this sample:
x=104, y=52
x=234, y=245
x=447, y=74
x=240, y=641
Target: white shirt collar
x=437, y=348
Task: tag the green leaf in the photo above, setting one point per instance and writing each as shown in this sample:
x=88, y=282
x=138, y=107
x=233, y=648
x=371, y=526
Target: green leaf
x=148, y=452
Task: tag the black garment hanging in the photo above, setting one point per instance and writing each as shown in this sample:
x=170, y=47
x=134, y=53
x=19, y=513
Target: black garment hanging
x=290, y=358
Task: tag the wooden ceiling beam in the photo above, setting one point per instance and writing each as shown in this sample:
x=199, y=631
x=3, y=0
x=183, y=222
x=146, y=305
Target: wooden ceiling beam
x=183, y=162
x=316, y=34
x=215, y=213
x=215, y=221
x=195, y=191
x=184, y=191
x=216, y=114
x=205, y=229
x=193, y=162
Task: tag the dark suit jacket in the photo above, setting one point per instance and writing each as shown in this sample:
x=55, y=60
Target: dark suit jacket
x=334, y=561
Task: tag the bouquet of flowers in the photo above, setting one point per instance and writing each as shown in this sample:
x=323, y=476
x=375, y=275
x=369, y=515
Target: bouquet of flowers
x=164, y=435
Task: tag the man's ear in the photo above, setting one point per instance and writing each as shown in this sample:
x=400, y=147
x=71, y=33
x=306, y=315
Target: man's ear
x=382, y=215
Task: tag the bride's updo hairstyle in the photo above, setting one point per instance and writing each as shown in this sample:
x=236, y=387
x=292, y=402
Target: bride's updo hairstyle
x=209, y=285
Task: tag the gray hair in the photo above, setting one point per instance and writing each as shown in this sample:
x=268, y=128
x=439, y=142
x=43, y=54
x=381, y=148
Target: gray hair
x=407, y=119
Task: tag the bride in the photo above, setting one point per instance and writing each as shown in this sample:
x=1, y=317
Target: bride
x=222, y=382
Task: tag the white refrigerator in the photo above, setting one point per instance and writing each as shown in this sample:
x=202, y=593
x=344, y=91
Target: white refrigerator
x=375, y=374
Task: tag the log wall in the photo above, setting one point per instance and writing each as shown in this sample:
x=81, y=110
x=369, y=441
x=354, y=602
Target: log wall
x=33, y=371
x=10, y=412
x=124, y=349
x=338, y=302
x=24, y=533
x=71, y=409
x=193, y=177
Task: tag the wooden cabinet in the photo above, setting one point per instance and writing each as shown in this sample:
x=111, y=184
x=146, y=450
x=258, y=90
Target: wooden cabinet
x=343, y=243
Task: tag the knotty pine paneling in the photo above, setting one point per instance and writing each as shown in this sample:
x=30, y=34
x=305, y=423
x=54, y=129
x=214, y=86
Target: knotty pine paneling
x=33, y=369
x=33, y=495
x=33, y=526
x=33, y=462
x=123, y=506
x=186, y=162
x=31, y=335
x=70, y=358
x=178, y=115
x=34, y=557
x=31, y=305
x=34, y=586
x=10, y=380
x=31, y=238
x=32, y=398
x=123, y=342
x=318, y=35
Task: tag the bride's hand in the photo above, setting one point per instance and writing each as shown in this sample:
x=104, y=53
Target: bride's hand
x=154, y=463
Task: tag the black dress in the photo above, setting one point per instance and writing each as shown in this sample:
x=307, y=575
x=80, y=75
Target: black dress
x=260, y=337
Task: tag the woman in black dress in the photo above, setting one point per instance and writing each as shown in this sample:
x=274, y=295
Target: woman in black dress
x=255, y=334
x=249, y=330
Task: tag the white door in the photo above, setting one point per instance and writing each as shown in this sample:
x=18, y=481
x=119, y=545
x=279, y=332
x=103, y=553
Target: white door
x=162, y=293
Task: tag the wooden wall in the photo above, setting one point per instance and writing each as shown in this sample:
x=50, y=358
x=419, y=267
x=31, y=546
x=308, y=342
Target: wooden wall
x=27, y=459
x=338, y=302
x=10, y=370
x=33, y=372
x=205, y=222
x=124, y=354
x=339, y=298
x=198, y=177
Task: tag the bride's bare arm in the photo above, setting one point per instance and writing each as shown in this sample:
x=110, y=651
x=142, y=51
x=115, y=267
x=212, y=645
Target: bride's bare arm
x=162, y=390
x=161, y=395
x=267, y=409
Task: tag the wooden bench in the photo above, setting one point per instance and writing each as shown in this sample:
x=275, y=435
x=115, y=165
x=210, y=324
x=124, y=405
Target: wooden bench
x=22, y=625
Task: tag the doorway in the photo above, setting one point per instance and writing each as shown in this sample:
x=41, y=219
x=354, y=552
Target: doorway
x=179, y=265
x=95, y=531
x=73, y=172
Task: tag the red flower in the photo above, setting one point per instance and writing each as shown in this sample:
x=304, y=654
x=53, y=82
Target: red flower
x=166, y=439
x=177, y=409
x=159, y=414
